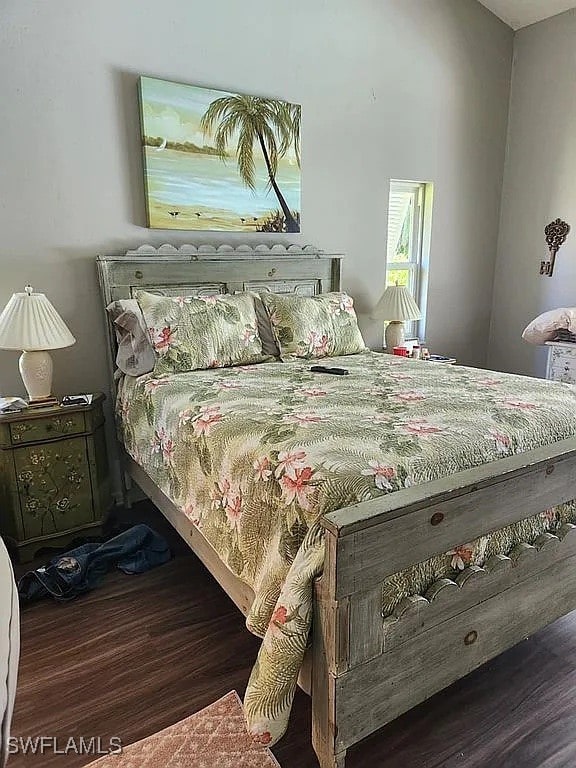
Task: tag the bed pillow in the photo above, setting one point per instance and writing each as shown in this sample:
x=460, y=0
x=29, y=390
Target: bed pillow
x=265, y=330
x=544, y=327
x=135, y=355
x=314, y=326
x=190, y=333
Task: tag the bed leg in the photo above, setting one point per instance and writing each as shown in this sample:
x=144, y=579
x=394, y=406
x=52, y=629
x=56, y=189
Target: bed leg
x=329, y=654
x=126, y=488
x=323, y=703
x=330, y=754
x=331, y=760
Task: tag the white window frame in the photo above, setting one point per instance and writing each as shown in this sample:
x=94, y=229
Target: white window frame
x=417, y=263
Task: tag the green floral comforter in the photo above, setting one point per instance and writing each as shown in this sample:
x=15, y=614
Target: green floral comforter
x=254, y=455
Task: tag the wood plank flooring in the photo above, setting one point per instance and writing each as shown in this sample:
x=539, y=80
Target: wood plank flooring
x=142, y=652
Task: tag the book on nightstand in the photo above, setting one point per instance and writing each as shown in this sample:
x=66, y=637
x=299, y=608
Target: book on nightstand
x=12, y=404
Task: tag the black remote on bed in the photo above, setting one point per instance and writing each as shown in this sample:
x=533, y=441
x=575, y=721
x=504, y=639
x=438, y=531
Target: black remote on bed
x=325, y=369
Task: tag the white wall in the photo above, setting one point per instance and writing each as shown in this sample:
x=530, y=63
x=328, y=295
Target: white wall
x=389, y=88
x=539, y=186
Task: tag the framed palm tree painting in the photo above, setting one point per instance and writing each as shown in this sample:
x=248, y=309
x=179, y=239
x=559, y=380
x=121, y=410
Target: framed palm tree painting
x=215, y=160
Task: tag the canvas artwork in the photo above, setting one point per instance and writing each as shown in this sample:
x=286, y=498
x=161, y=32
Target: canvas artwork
x=215, y=160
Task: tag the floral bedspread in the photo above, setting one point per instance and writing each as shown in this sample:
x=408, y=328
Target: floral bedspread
x=254, y=455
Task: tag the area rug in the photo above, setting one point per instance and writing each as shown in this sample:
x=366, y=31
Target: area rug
x=215, y=737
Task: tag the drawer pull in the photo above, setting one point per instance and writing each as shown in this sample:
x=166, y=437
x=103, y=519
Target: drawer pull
x=272, y=272
x=138, y=274
x=550, y=469
x=437, y=518
x=471, y=638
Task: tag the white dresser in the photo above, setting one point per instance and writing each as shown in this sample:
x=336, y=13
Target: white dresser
x=561, y=365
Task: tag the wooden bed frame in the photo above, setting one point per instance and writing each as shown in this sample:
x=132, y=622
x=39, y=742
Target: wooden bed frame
x=367, y=670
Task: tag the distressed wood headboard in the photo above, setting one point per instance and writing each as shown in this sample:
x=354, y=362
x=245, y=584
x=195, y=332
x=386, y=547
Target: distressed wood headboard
x=207, y=270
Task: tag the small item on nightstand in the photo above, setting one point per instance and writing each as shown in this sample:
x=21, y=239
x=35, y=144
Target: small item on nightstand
x=76, y=400
x=11, y=404
x=416, y=351
x=400, y=351
x=424, y=354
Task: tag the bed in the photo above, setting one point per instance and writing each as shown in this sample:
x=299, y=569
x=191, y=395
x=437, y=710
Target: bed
x=491, y=547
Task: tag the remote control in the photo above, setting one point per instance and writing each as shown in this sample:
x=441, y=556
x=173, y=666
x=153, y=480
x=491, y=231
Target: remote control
x=325, y=369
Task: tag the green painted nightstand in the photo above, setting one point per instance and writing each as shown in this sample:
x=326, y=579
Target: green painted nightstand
x=54, y=477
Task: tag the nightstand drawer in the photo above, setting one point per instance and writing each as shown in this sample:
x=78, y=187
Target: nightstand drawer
x=47, y=428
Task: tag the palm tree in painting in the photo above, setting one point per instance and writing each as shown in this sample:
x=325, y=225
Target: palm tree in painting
x=289, y=116
x=272, y=125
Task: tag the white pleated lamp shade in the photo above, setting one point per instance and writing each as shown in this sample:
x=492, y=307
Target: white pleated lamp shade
x=396, y=303
x=29, y=322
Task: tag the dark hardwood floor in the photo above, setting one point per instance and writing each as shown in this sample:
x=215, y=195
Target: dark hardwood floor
x=142, y=652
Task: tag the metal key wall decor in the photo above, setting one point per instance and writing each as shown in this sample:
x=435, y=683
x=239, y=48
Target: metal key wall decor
x=556, y=233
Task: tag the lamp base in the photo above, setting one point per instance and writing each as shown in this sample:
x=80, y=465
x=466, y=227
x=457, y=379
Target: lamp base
x=36, y=371
x=394, y=335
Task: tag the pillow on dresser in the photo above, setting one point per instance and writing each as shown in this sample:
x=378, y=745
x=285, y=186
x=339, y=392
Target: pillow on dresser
x=135, y=355
x=314, y=326
x=544, y=327
x=190, y=333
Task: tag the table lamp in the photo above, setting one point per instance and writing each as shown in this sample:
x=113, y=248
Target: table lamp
x=30, y=323
x=397, y=306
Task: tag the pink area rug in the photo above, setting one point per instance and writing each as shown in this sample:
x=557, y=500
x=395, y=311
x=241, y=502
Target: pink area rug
x=215, y=737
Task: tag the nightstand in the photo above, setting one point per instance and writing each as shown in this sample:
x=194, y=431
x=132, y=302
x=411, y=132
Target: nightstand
x=561, y=365
x=54, y=477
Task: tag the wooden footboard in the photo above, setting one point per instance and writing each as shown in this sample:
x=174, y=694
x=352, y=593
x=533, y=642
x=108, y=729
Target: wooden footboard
x=368, y=670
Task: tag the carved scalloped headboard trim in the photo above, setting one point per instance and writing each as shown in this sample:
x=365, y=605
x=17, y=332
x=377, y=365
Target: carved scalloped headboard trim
x=188, y=251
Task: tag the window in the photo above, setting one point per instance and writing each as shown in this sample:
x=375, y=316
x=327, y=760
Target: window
x=409, y=219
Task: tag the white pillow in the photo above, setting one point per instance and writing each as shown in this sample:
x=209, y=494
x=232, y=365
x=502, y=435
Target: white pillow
x=543, y=328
